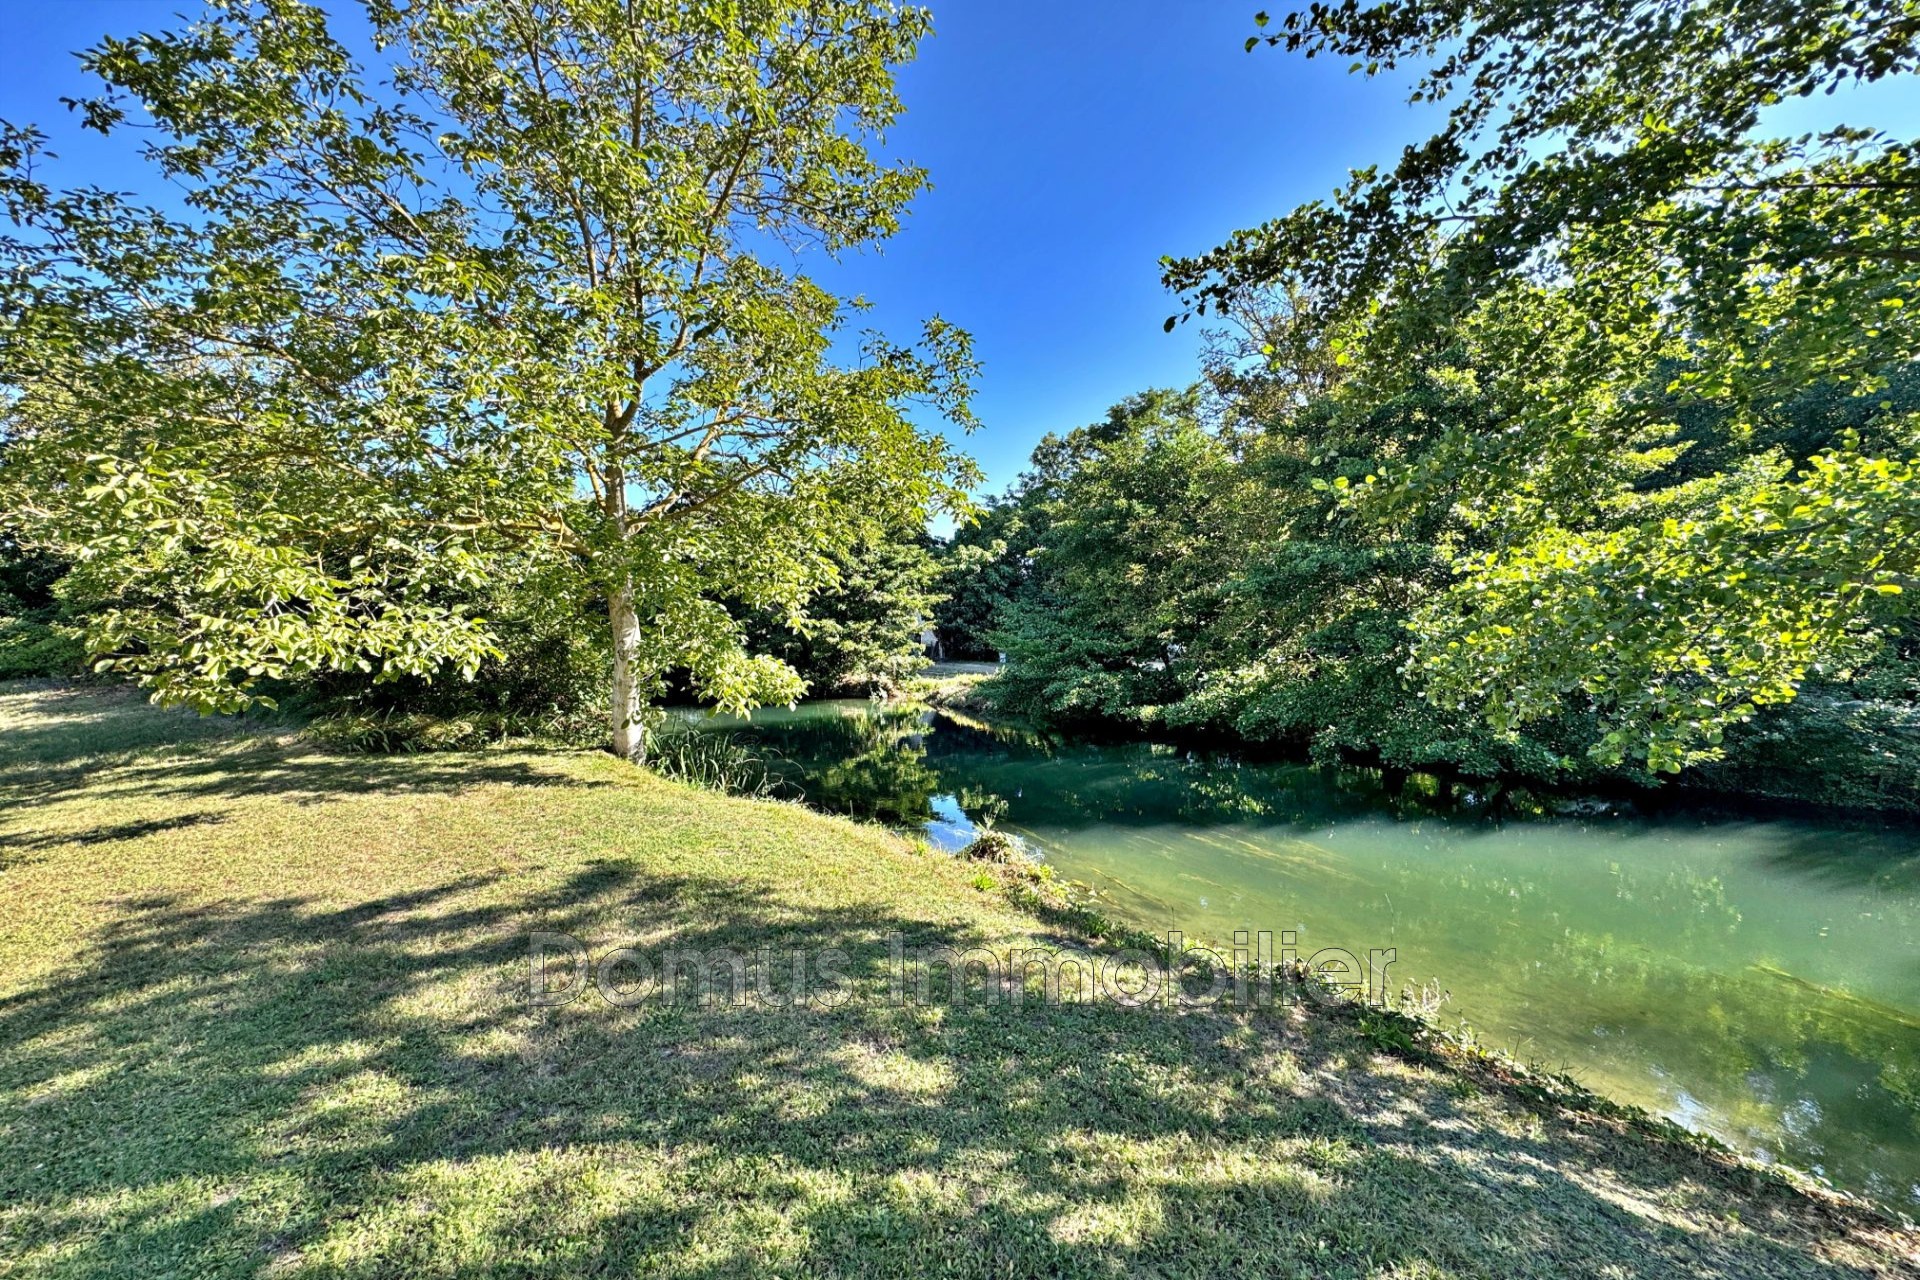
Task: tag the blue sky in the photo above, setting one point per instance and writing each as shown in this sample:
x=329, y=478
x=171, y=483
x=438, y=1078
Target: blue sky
x=1070, y=145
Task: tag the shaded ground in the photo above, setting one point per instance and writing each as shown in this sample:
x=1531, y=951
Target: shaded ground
x=264, y=1011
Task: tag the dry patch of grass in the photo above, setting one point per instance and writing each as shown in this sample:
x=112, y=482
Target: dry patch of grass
x=264, y=1011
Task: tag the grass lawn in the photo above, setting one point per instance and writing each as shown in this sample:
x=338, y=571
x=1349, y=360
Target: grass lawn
x=264, y=1011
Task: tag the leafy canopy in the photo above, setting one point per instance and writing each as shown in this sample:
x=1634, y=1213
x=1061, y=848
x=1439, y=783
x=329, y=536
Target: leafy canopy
x=534, y=297
x=1596, y=240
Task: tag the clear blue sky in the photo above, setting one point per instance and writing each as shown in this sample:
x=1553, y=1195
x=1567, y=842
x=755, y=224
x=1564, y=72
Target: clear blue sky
x=1070, y=143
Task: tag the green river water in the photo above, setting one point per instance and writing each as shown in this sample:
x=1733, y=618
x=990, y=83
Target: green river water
x=1756, y=978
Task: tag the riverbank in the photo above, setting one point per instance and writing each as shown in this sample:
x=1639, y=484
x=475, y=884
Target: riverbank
x=1751, y=976
x=264, y=1010
x=1818, y=755
x=955, y=685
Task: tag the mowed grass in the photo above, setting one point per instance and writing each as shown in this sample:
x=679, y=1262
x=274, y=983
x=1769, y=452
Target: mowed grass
x=264, y=1012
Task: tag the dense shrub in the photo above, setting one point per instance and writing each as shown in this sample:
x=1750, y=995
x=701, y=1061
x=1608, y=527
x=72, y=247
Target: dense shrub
x=390, y=731
x=1824, y=748
x=33, y=640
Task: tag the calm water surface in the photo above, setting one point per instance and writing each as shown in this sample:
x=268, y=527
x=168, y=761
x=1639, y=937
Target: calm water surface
x=1755, y=978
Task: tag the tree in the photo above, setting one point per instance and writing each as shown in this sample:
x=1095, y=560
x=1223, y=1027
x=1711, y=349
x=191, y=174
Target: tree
x=1602, y=240
x=1126, y=568
x=538, y=296
x=862, y=633
x=981, y=567
x=1308, y=643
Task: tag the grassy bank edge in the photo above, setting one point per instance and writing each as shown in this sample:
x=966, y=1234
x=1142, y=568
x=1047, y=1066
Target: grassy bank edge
x=1409, y=1029
x=1066, y=908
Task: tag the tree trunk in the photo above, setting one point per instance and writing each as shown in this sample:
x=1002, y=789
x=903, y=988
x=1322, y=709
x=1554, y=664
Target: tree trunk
x=629, y=740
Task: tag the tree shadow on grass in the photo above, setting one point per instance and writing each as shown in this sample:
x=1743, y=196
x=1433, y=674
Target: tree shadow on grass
x=288, y=770
x=59, y=739
x=13, y=845
x=294, y=1088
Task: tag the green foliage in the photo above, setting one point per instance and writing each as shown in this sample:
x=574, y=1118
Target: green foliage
x=1205, y=577
x=981, y=566
x=1309, y=644
x=1120, y=579
x=1734, y=603
x=33, y=641
x=861, y=633
x=1601, y=249
x=548, y=677
x=1824, y=748
x=528, y=300
x=389, y=731
x=32, y=648
x=711, y=760
x=1233, y=584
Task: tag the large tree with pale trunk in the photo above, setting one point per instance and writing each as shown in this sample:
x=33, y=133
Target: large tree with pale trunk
x=534, y=295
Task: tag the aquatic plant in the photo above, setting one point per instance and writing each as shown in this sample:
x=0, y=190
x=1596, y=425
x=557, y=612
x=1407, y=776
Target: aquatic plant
x=714, y=761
